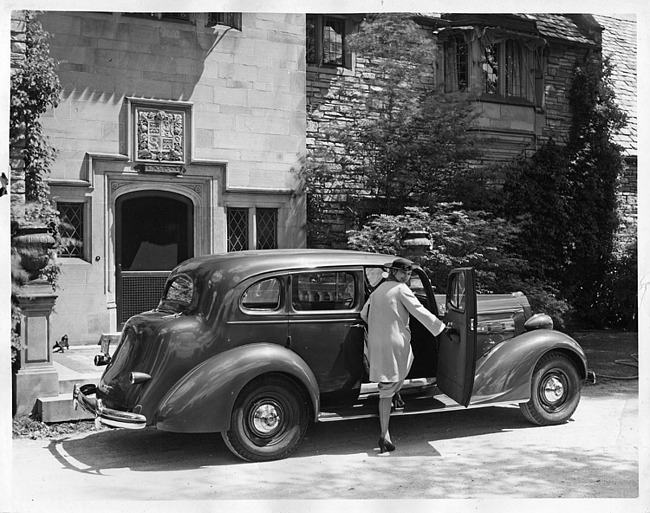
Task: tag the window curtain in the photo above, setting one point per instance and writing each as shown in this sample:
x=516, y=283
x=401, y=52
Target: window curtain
x=451, y=65
x=521, y=50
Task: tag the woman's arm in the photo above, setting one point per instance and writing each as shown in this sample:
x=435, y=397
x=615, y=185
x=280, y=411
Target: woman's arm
x=417, y=310
x=364, y=311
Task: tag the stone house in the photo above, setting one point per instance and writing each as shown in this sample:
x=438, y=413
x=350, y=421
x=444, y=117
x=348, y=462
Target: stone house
x=178, y=134
x=520, y=63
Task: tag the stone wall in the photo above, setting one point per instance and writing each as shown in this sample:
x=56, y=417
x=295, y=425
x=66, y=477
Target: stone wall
x=628, y=201
x=18, y=47
x=331, y=94
x=558, y=77
x=246, y=87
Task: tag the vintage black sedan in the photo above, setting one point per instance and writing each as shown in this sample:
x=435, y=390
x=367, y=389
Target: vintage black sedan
x=255, y=345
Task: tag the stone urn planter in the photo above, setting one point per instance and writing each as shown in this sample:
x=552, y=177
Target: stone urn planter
x=32, y=244
x=416, y=243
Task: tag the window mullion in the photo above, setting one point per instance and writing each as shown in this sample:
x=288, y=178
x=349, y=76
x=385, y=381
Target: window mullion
x=320, y=47
x=252, y=227
x=502, y=69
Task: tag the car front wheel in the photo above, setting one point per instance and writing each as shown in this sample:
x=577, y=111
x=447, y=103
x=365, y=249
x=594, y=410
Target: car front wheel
x=268, y=421
x=555, y=391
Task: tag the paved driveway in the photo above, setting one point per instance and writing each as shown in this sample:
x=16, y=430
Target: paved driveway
x=488, y=453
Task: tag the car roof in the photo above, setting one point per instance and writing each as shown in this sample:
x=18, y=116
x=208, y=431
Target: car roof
x=250, y=263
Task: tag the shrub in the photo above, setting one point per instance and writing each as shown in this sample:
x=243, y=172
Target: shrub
x=462, y=238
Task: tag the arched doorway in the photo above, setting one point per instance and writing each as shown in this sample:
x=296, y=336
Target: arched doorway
x=154, y=233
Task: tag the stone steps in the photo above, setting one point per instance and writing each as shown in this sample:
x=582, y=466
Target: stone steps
x=74, y=367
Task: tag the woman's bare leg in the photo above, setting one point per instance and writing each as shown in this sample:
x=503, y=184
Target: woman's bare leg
x=384, y=416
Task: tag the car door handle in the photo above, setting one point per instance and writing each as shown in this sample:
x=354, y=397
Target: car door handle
x=450, y=328
x=357, y=325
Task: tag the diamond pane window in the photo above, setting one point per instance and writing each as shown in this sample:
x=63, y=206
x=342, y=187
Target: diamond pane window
x=267, y=228
x=72, y=229
x=237, y=229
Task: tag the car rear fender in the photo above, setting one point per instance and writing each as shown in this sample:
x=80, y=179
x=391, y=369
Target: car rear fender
x=504, y=374
x=202, y=401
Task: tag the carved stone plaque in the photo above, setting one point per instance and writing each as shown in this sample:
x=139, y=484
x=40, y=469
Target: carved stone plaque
x=160, y=135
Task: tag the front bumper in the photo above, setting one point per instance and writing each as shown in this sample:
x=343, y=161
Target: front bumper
x=85, y=396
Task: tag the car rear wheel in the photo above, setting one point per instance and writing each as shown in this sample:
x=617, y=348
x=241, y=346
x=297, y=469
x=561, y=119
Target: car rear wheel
x=268, y=421
x=555, y=391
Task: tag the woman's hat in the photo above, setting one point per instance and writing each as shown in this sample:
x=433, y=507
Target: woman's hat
x=401, y=263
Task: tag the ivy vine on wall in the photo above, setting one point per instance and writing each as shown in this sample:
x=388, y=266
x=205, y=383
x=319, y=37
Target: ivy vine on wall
x=35, y=88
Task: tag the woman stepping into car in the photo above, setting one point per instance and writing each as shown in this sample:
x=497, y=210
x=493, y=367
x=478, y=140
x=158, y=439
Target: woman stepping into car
x=389, y=338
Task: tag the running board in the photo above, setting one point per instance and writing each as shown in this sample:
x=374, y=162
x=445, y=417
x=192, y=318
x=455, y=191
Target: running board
x=366, y=407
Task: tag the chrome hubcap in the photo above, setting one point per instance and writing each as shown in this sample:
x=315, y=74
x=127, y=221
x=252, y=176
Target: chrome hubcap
x=553, y=390
x=266, y=419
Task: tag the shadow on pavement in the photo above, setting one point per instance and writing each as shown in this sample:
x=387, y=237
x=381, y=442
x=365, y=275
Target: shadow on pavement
x=150, y=450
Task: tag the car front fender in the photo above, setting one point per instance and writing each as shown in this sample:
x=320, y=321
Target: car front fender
x=504, y=374
x=202, y=401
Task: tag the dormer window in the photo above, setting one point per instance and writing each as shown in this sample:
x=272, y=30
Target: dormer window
x=499, y=64
x=507, y=70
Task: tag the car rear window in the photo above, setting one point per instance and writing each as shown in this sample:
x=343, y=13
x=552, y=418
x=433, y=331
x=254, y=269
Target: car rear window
x=178, y=294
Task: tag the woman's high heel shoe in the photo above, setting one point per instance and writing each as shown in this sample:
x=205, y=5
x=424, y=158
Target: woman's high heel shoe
x=385, y=446
x=398, y=402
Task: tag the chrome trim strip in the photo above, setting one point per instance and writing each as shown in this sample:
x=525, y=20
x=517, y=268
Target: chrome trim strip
x=312, y=321
x=281, y=321
x=295, y=321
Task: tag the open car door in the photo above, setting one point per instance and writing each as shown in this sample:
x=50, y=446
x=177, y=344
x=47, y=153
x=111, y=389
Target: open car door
x=457, y=344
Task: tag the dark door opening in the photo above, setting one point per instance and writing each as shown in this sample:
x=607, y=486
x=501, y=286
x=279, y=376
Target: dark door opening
x=154, y=233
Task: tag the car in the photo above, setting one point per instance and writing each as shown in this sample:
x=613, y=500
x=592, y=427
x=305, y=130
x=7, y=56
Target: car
x=256, y=345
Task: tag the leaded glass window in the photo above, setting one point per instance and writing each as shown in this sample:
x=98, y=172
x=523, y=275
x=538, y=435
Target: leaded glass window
x=72, y=229
x=333, y=36
x=325, y=41
x=252, y=228
x=237, y=229
x=491, y=69
x=267, y=228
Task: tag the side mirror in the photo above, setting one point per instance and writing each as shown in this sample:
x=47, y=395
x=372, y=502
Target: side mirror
x=539, y=321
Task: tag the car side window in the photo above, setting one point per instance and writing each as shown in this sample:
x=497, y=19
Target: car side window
x=323, y=291
x=456, y=295
x=263, y=295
